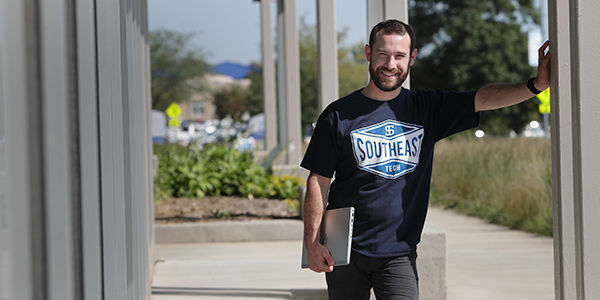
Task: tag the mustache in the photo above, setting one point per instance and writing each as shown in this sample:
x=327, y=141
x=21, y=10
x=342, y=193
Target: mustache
x=395, y=71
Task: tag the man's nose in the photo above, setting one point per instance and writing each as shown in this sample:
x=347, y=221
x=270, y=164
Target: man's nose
x=390, y=63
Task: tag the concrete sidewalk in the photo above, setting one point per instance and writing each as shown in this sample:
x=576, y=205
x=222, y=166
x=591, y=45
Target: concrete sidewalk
x=246, y=270
x=491, y=262
x=484, y=262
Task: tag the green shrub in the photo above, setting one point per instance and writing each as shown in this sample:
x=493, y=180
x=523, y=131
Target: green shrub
x=506, y=181
x=217, y=170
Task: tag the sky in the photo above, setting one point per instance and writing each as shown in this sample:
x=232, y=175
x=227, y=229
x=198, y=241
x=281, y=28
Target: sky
x=229, y=30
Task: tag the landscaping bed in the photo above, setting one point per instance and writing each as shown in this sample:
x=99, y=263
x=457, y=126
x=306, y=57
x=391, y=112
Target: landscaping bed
x=218, y=208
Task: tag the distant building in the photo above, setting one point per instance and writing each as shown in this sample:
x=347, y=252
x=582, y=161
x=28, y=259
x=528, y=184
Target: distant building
x=201, y=106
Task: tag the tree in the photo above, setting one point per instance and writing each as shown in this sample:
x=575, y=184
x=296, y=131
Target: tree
x=467, y=44
x=231, y=101
x=309, y=84
x=174, y=65
x=235, y=100
x=352, y=68
x=254, y=93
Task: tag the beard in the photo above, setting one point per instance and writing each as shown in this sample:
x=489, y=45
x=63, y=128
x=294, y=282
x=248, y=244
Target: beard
x=387, y=84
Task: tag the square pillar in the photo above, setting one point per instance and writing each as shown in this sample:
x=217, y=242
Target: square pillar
x=562, y=152
x=379, y=10
x=575, y=147
x=288, y=83
x=268, y=72
x=327, y=53
x=586, y=144
x=394, y=9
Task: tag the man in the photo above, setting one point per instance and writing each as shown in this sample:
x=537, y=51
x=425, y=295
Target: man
x=378, y=143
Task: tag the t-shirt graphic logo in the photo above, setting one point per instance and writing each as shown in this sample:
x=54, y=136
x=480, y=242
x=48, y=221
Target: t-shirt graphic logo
x=389, y=149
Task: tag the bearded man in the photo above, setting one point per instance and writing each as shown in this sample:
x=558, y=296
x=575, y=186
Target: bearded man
x=378, y=142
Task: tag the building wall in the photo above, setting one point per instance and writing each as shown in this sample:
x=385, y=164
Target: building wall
x=187, y=108
x=211, y=84
x=76, y=208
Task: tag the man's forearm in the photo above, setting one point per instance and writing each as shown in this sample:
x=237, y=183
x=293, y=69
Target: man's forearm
x=314, y=206
x=496, y=96
x=317, y=188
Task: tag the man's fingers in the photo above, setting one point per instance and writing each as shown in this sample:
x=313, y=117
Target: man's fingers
x=541, y=51
x=330, y=261
x=324, y=262
x=543, y=73
x=543, y=48
x=322, y=267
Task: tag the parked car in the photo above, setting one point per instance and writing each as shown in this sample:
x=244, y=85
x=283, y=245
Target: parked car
x=159, y=127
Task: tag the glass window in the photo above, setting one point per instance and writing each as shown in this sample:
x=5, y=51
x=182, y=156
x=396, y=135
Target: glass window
x=198, y=108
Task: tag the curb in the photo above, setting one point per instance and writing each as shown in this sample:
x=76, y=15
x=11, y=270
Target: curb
x=229, y=231
x=432, y=249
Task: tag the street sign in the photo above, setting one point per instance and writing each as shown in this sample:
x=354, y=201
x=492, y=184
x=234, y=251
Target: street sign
x=544, y=97
x=173, y=111
x=174, y=123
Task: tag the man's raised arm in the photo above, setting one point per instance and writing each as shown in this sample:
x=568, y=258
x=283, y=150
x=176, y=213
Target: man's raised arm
x=496, y=96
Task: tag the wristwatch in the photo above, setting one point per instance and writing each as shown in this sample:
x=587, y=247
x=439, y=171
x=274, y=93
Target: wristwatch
x=531, y=87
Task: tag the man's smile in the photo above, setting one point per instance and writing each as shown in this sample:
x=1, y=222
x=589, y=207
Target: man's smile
x=388, y=74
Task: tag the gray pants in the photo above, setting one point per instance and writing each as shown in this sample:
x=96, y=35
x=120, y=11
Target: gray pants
x=393, y=278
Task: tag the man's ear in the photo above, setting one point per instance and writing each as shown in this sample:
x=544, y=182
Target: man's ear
x=413, y=57
x=368, y=53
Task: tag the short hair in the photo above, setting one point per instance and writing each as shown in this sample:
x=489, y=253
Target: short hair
x=393, y=26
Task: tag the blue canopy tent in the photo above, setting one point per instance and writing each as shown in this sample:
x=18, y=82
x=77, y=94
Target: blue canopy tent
x=234, y=70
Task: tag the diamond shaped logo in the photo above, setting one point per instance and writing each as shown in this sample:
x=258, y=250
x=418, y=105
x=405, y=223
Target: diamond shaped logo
x=389, y=149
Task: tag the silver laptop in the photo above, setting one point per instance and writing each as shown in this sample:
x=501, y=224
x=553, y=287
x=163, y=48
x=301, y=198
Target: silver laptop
x=335, y=235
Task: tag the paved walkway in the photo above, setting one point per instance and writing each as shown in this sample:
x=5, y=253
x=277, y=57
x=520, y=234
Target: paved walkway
x=485, y=262
x=491, y=262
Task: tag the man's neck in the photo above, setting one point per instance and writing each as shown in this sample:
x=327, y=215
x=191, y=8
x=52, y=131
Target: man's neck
x=373, y=92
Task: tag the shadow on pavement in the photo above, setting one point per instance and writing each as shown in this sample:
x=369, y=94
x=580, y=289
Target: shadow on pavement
x=295, y=294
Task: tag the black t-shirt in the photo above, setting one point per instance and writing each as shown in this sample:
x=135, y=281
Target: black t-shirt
x=381, y=154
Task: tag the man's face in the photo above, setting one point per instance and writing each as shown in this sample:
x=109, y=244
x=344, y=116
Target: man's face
x=390, y=60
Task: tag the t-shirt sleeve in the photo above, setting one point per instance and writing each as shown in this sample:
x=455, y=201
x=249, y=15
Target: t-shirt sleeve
x=322, y=152
x=454, y=112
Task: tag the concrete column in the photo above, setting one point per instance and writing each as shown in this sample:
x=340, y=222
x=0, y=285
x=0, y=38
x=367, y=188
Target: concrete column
x=290, y=132
x=575, y=141
x=268, y=72
x=327, y=53
x=374, y=14
x=394, y=9
x=59, y=155
x=586, y=144
x=379, y=10
x=562, y=152
x=22, y=249
x=282, y=132
x=110, y=134
x=91, y=229
x=72, y=89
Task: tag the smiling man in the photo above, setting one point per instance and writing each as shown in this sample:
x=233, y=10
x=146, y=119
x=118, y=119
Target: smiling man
x=390, y=59
x=378, y=142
